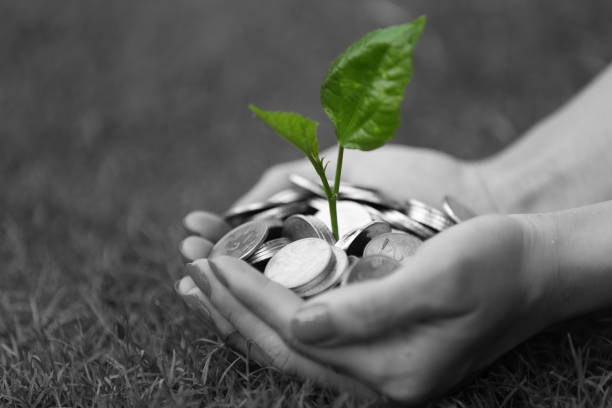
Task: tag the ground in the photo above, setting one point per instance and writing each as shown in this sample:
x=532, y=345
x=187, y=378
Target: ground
x=117, y=117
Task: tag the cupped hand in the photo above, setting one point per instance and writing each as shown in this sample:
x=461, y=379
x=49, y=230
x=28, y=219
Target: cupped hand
x=466, y=297
x=399, y=172
x=238, y=326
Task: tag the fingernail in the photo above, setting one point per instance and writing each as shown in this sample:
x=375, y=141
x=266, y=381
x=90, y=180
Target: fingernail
x=258, y=354
x=312, y=324
x=199, y=278
x=196, y=304
x=217, y=271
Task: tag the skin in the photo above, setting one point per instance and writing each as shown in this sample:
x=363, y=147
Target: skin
x=482, y=287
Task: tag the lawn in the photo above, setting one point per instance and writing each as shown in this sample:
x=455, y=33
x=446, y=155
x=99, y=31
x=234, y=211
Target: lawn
x=117, y=117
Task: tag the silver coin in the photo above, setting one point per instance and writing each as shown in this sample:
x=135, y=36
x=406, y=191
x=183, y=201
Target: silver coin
x=267, y=250
x=307, y=185
x=370, y=267
x=366, y=196
x=300, y=263
x=455, y=210
x=429, y=218
x=401, y=221
x=350, y=216
x=282, y=211
x=398, y=246
x=288, y=196
x=242, y=241
x=238, y=214
x=355, y=242
x=334, y=277
x=300, y=226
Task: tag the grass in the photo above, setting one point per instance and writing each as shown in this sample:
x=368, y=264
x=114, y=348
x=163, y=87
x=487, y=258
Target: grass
x=117, y=117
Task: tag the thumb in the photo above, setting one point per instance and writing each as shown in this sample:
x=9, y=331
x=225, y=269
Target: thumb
x=361, y=311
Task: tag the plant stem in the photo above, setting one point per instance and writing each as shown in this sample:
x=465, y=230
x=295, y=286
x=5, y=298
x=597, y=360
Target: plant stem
x=331, y=194
x=338, y=170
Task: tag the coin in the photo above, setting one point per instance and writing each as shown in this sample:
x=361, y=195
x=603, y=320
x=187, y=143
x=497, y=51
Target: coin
x=237, y=214
x=242, y=241
x=267, y=250
x=402, y=222
x=340, y=266
x=307, y=185
x=371, y=197
x=429, y=218
x=396, y=245
x=355, y=241
x=350, y=216
x=288, y=196
x=370, y=267
x=282, y=211
x=306, y=226
x=455, y=210
x=300, y=262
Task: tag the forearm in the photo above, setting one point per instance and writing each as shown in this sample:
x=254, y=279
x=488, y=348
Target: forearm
x=563, y=162
x=569, y=254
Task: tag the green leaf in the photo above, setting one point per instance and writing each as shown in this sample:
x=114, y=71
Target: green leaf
x=297, y=129
x=364, y=87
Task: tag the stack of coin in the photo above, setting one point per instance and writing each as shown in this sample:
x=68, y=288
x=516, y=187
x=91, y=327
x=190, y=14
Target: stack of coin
x=289, y=238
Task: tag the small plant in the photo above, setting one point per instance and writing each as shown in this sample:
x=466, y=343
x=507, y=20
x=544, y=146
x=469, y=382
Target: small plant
x=361, y=93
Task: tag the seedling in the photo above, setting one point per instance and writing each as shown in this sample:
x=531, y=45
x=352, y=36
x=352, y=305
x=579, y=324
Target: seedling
x=361, y=94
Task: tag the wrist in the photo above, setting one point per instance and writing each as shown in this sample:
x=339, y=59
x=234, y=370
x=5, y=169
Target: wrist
x=522, y=186
x=539, y=271
x=567, y=261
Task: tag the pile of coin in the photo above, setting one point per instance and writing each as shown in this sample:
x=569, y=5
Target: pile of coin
x=288, y=236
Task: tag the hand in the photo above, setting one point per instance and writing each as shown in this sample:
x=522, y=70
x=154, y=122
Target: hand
x=400, y=172
x=390, y=169
x=235, y=323
x=466, y=297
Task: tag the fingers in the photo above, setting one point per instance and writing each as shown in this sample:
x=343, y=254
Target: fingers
x=361, y=311
x=195, y=299
x=206, y=224
x=251, y=326
x=275, y=179
x=276, y=305
x=194, y=247
x=248, y=285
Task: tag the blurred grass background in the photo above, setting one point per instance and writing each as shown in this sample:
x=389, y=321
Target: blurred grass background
x=117, y=117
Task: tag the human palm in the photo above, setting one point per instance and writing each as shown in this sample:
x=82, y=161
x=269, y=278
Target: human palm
x=399, y=172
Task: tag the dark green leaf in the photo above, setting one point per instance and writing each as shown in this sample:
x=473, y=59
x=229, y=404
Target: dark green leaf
x=364, y=86
x=297, y=129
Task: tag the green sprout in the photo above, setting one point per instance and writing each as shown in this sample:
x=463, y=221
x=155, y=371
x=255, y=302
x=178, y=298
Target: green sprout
x=361, y=94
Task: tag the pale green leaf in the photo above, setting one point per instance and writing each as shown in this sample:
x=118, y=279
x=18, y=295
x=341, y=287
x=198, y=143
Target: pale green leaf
x=364, y=86
x=297, y=129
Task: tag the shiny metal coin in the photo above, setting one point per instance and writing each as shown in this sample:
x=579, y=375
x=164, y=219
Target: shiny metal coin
x=267, y=250
x=429, y=218
x=355, y=242
x=370, y=267
x=300, y=263
x=306, y=226
x=242, y=241
x=307, y=185
x=283, y=211
x=398, y=246
x=237, y=214
x=455, y=210
x=288, y=196
x=334, y=277
x=366, y=196
x=401, y=221
x=351, y=216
